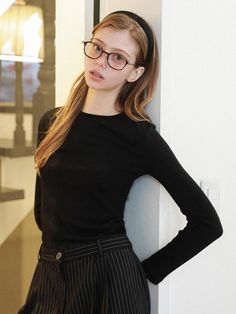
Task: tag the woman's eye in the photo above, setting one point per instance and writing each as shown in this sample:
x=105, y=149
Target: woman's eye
x=118, y=57
x=97, y=48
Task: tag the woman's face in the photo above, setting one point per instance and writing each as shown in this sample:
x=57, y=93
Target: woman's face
x=98, y=74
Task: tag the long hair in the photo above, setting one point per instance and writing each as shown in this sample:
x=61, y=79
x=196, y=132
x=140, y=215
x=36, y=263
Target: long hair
x=132, y=98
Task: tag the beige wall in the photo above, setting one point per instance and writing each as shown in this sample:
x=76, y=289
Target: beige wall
x=18, y=257
x=70, y=31
x=16, y=173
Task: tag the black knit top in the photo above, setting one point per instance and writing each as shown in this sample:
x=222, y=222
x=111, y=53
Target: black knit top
x=84, y=185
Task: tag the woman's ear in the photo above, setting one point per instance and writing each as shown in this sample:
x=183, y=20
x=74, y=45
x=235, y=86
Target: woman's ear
x=135, y=74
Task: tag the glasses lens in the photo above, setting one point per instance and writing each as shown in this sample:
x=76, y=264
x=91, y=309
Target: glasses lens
x=92, y=50
x=116, y=61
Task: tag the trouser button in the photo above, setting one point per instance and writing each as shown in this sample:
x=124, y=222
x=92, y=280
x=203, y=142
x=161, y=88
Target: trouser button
x=58, y=256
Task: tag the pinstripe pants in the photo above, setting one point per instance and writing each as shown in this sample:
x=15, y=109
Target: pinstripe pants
x=100, y=277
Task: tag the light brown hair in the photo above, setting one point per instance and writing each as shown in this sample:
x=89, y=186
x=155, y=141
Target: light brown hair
x=132, y=98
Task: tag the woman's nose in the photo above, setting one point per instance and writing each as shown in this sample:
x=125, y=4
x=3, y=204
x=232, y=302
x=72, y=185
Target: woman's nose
x=102, y=60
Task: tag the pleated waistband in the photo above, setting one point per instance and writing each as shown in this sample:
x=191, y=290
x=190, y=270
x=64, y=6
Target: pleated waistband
x=98, y=246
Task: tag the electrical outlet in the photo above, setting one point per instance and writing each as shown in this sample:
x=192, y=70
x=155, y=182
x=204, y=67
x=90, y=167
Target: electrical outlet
x=210, y=187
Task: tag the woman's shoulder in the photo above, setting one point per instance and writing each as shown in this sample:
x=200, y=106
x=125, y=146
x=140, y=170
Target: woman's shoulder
x=142, y=128
x=138, y=131
x=47, y=117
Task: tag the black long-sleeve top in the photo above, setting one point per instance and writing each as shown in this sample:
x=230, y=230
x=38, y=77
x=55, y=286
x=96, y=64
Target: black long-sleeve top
x=83, y=187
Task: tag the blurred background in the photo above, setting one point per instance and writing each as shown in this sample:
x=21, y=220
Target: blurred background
x=27, y=89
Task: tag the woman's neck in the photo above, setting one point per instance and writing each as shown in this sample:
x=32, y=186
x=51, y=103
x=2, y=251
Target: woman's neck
x=100, y=102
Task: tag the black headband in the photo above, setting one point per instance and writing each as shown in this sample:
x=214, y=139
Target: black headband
x=145, y=27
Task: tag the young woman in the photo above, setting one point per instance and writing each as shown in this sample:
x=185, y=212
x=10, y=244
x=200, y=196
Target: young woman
x=89, y=153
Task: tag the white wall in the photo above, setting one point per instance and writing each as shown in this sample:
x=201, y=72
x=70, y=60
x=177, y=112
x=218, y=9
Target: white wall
x=70, y=31
x=198, y=97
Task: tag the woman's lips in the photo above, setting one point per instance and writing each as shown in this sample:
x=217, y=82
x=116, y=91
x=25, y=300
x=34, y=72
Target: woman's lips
x=96, y=75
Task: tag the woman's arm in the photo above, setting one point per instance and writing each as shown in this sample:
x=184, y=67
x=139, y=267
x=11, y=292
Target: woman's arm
x=43, y=125
x=37, y=202
x=203, y=224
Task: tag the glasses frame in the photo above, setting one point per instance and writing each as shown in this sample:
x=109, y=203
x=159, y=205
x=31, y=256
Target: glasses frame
x=108, y=54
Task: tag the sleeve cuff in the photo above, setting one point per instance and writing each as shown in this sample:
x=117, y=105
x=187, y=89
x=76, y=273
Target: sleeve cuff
x=149, y=275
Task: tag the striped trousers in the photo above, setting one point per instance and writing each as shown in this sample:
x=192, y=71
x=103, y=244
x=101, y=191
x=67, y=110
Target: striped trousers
x=100, y=277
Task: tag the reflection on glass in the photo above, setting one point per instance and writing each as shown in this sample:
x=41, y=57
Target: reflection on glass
x=8, y=80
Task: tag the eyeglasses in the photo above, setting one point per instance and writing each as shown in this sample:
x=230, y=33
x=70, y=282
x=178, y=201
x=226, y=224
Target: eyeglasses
x=115, y=60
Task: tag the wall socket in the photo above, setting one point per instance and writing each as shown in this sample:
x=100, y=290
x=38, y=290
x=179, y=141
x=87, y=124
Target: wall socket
x=211, y=188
